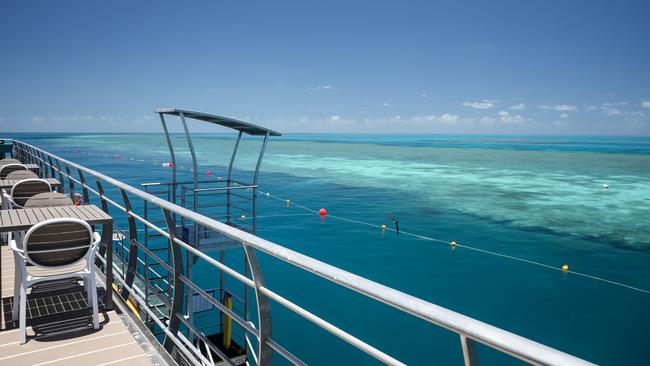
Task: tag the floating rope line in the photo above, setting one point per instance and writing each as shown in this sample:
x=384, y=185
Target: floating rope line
x=454, y=244
x=157, y=162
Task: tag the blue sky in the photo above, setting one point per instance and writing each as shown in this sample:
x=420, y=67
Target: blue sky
x=550, y=67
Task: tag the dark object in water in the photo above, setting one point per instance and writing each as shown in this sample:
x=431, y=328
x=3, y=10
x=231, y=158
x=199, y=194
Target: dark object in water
x=395, y=222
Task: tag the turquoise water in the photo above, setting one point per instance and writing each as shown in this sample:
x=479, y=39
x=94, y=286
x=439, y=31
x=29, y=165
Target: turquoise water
x=538, y=198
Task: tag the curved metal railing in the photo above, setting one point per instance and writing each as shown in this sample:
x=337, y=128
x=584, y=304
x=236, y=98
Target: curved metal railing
x=471, y=331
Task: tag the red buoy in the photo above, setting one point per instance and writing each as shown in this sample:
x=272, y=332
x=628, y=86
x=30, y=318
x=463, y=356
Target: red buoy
x=208, y=173
x=116, y=157
x=322, y=212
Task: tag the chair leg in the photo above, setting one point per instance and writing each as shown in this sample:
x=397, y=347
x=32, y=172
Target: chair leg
x=23, y=314
x=93, y=300
x=17, y=280
x=87, y=288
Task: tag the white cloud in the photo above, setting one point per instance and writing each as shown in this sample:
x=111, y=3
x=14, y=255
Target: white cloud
x=335, y=118
x=636, y=116
x=610, y=111
x=484, y=104
x=564, y=115
x=385, y=104
x=559, y=107
x=443, y=118
x=518, y=107
x=320, y=87
x=425, y=96
x=645, y=104
x=506, y=117
x=487, y=120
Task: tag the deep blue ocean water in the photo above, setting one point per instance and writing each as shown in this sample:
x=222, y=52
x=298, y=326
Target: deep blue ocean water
x=534, y=197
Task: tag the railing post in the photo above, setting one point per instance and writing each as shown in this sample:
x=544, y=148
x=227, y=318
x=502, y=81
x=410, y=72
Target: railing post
x=52, y=170
x=107, y=248
x=179, y=286
x=84, y=189
x=470, y=356
x=30, y=158
x=43, y=171
x=265, y=353
x=133, y=247
x=70, y=182
x=58, y=168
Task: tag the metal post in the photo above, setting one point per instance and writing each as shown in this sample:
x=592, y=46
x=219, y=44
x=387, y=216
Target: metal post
x=84, y=189
x=70, y=182
x=173, y=156
x=255, y=175
x=190, y=310
x=107, y=248
x=265, y=353
x=61, y=179
x=45, y=173
x=229, y=176
x=133, y=247
x=52, y=170
x=177, y=297
x=470, y=356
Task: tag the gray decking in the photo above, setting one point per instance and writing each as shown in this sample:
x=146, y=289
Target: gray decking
x=59, y=331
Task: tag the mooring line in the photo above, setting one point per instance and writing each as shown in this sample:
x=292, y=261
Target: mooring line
x=586, y=275
x=544, y=265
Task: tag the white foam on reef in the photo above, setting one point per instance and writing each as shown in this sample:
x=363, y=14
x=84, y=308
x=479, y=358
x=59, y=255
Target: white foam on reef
x=554, y=191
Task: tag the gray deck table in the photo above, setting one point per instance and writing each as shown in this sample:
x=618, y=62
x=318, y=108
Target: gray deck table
x=23, y=219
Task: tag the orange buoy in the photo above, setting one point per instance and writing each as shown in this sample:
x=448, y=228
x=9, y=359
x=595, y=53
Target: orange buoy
x=322, y=212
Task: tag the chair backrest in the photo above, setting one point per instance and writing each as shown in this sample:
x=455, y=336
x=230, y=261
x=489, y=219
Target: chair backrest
x=48, y=199
x=21, y=174
x=58, y=242
x=27, y=188
x=6, y=169
x=6, y=161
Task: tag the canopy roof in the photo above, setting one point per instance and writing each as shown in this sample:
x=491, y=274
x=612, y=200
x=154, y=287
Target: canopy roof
x=242, y=126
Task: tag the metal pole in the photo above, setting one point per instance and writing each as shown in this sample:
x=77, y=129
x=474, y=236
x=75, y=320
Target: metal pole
x=232, y=162
x=177, y=297
x=264, y=353
x=255, y=175
x=84, y=189
x=470, y=356
x=133, y=247
x=173, y=156
x=190, y=310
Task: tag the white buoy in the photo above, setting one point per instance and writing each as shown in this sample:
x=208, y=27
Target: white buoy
x=605, y=186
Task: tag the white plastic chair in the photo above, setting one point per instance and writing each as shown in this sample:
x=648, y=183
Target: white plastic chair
x=23, y=191
x=56, y=249
x=11, y=167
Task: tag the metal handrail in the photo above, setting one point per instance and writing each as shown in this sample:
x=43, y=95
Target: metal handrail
x=469, y=329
